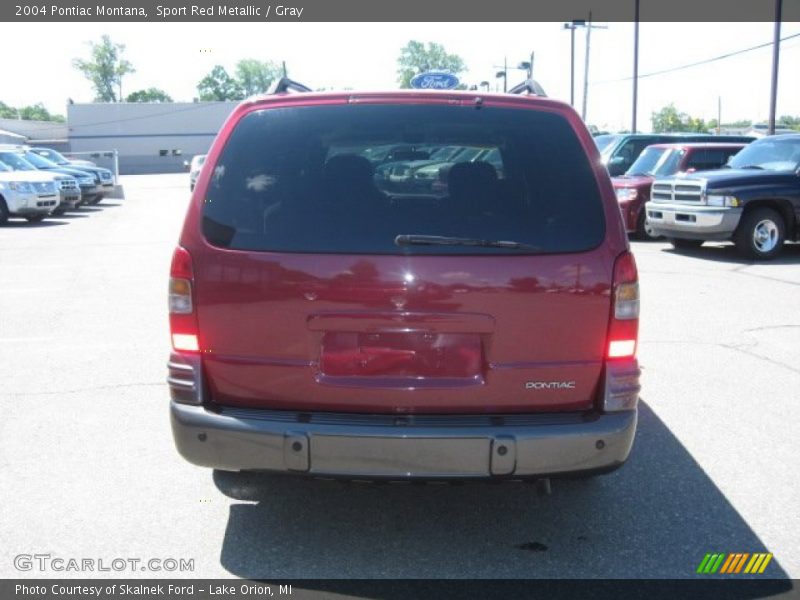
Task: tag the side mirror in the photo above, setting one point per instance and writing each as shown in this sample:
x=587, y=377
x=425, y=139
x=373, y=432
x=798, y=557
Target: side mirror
x=186, y=165
x=616, y=166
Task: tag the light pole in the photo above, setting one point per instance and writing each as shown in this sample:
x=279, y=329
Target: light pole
x=776, y=50
x=522, y=66
x=635, y=65
x=589, y=27
x=572, y=26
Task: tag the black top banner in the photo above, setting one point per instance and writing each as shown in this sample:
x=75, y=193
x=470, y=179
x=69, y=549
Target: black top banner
x=400, y=10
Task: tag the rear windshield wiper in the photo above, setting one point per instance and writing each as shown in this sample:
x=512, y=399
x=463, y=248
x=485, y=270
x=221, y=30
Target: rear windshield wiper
x=440, y=240
x=752, y=167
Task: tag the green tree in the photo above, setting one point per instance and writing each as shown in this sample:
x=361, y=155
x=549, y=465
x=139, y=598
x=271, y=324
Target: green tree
x=149, y=95
x=255, y=76
x=105, y=69
x=36, y=112
x=219, y=86
x=788, y=121
x=669, y=119
x=416, y=58
x=7, y=112
x=741, y=124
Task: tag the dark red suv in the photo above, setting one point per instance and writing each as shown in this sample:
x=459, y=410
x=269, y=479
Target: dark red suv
x=323, y=323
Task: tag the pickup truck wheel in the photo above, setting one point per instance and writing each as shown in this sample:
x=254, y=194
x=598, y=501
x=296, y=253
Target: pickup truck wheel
x=35, y=218
x=684, y=244
x=3, y=212
x=643, y=229
x=760, y=234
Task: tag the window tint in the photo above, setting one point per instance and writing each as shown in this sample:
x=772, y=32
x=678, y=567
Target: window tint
x=604, y=141
x=16, y=162
x=772, y=153
x=648, y=161
x=350, y=179
x=632, y=148
x=657, y=162
x=709, y=158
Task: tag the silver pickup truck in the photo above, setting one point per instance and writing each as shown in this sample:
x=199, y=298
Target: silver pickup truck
x=754, y=201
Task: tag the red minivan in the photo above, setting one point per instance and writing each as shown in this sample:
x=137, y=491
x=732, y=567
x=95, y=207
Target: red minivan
x=325, y=324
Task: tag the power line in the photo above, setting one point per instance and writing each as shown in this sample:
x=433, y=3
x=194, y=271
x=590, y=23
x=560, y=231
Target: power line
x=696, y=64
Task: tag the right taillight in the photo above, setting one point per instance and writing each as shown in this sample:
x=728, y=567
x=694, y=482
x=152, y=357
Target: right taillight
x=622, y=370
x=624, y=328
x=182, y=318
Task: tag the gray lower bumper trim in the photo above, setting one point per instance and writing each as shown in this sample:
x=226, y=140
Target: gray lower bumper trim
x=236, y=442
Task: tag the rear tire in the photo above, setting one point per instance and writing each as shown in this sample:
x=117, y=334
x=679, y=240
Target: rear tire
x=96, y=200
x=36, y=218
x=760, y=234
x=684, y=244
x=3, y=212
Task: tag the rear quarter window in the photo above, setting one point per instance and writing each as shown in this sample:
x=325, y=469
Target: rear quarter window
x=351, y=178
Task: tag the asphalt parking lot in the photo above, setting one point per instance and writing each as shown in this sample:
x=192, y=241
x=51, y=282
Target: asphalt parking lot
x=88, y=468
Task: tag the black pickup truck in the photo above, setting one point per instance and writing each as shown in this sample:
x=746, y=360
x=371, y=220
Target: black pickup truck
x=753, y=201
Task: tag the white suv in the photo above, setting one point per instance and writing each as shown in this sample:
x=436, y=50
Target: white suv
x=29, y=194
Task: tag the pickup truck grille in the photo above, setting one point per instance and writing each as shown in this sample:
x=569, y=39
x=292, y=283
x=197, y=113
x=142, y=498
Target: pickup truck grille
x=677, y=191
x=68, y=184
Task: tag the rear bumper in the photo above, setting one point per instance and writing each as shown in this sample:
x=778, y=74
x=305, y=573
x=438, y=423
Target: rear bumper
x=692, y=222
x=385, y=446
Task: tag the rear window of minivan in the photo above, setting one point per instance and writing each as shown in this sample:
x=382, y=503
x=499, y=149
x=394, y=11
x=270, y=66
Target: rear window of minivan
x=352, y=178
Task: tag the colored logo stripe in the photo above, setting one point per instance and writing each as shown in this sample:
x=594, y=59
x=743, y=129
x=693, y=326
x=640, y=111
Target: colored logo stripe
x=734, y=563
x=758, y=563
x=710, y=563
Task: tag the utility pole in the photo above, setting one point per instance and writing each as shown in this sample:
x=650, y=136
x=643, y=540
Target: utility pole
x=719, y=115
x=284, y=68
x=571, y=65
x=635, y=65
x=505, y=74
x=572, y=26
x=586, y=67
x=589, y=27
x=776, y=50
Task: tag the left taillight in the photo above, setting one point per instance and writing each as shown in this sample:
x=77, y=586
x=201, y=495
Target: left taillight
x=182, y=318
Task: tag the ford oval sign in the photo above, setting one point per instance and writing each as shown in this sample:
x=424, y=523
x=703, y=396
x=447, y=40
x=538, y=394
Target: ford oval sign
x=434, y=80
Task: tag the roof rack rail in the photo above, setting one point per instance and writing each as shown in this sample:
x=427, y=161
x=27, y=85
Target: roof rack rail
x=528, y=86
x=284, y=85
